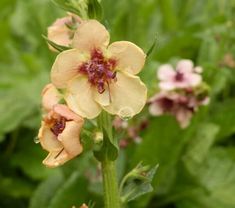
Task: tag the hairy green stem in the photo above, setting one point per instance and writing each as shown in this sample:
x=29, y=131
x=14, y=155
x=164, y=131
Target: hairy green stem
x=110, y=185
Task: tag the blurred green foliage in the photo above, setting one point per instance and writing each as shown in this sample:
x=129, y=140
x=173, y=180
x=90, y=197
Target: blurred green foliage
x=196, y=165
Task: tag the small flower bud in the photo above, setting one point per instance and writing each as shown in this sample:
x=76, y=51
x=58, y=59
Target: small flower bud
x=98, y=137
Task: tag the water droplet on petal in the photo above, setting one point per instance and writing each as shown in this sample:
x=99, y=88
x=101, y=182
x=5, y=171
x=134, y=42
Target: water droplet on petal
x=126, y=113
x=36, y=140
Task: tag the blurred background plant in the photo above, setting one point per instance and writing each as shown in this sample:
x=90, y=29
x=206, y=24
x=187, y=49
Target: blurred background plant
x=196, y=164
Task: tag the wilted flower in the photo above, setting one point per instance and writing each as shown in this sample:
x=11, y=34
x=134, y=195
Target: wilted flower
x=60, y=130
x=184, y=76
x=62, y=30
x=98, y=76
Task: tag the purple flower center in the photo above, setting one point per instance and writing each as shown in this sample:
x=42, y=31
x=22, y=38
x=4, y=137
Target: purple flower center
x=166, y=104
x=99, y=70
x=179, y=76
x=58, y=126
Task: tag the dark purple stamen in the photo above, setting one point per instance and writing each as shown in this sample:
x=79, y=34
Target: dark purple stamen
x=58, y=126
x=179, y=76
x=99, y=70
x=166, y=104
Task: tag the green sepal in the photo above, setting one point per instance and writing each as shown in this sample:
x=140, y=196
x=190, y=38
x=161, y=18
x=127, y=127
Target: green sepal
x=137, y=182
x=91, y=204
x=95, y=10
x=109, y=149
x=87, y=140
x=59, y=48
x=152, y=47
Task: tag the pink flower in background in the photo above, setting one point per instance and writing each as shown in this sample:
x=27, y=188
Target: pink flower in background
x=184, y=76
x=184, y=111
x=162, y=103
x=172, y=104
x=60, y=129
x=62, y=30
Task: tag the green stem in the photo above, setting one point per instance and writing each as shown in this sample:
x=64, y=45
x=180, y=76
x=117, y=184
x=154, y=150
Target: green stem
x=110, y=185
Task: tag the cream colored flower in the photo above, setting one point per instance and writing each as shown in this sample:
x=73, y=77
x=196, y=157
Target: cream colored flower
x=62, y=30
x=100, y=76
x=60, y=130
x=50, y=97
x=84, y=206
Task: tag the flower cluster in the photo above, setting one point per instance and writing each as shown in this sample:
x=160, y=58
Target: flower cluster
x=90, y=77
x=181, y=92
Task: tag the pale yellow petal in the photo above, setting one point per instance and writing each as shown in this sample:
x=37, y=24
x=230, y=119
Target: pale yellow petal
x=70, y=138
x=103, y=98
x=65, y=112
x=79, y=98
x=58, y=35
x=66, y=67
x=56, y=158
x=89, y=35
x=128, y=95
x=130, y=57
x=47, y=139
x=50, y=97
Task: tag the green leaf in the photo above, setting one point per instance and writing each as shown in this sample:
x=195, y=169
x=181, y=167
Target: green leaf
x=138, y=183
x=217, y=179
x=95, y=10
x=10, y=117
x=73, y=192
x=199, y=146
x=46, y=191
x=224, y=116
x=15, y=187
x=32, y=166
x=59, y=48
x=162, y=134
x=59, y=191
